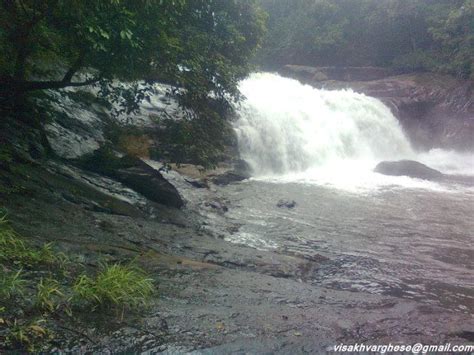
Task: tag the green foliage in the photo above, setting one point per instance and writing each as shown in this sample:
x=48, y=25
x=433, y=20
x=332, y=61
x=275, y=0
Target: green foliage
x=114, y=285
x=49, y=295
x=28, y=300
x=416, y=61
x=6, y=157
x=28, y=335
x=12, y=284
x=409, y=35
x=15, y=250
x=452, y=27
x=198, y=141
x=202, y=46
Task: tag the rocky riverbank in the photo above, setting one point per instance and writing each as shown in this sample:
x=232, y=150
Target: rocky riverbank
x=100, y=197
x=436, y=111
x=213, y=296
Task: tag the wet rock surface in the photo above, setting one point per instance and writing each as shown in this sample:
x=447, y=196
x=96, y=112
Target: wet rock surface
x=230, y=177
x=286, y=204
x=214, y=297
x=409, y=168
x=148, y=181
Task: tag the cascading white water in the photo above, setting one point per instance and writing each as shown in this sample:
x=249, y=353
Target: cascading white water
x=290, y=132
x=286, y=127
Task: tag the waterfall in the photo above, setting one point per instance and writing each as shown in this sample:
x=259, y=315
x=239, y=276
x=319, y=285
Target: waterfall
x=287, y=127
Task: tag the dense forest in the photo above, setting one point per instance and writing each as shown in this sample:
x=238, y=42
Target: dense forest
x=431, y=35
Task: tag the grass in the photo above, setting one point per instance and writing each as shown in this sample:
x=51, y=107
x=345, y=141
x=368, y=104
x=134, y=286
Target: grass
x=115, y=285
x=16, y=250
x=30, y=335
x=37, y=282
x=49, y=296
x=12, y=284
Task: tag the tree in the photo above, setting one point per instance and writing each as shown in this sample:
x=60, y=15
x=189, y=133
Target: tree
x=452, y=27
x=434, y=35
x=201, y=45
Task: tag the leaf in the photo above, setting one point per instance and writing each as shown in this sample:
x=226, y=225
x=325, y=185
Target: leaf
x=126, y=34
x=104, y=34
x=38, y=329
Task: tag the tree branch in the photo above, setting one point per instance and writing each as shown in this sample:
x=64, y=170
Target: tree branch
x=42, y=85
x=74, y=68
x=24, y=86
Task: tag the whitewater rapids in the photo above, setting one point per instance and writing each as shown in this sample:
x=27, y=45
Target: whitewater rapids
x=290, y=132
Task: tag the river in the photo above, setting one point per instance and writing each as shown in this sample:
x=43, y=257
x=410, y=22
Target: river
x=395, y=236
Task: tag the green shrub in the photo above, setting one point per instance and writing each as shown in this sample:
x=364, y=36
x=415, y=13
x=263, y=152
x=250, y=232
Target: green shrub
x=48, y=295
x=114, y=285
x=11, y=284
x=416, y=61
x=17, y=251
x=6, y=157
x=28, y=335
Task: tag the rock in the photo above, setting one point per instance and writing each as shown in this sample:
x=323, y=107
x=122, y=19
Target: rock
x=134, y=173
x=286, y=203
x=409, y=168
x=242, y=167
x=309, y=74
x=217, y=205
x=200, y=184
x=141, y=177
x=69, y=144
x=229, y=177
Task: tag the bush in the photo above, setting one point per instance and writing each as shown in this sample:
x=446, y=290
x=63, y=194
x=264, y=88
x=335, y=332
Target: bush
x=114, y=285
x=49, y=295
x=416, y=61
x=17, y=251
x=11, y=284
x=30, y=336
x=29, y=299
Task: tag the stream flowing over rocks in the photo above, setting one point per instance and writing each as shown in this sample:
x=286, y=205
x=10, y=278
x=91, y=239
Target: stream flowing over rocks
x=435, y=110
x=293, y=247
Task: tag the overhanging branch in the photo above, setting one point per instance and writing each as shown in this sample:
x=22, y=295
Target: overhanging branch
x=24, y=86
x=42, y=85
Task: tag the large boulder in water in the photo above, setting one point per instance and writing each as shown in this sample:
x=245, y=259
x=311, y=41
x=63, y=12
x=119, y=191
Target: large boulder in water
x=286, y=203
x=409, y=168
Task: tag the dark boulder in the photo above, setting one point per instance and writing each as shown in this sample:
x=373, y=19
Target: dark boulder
x=286, y=203
x=199, y=184
x=409, y=168
x=240, y=171
x=134, y=173
x=229, y=177
x=141, y=177
x=217, y=205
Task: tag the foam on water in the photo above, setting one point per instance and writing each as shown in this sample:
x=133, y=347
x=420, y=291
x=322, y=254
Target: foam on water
x=290, y=132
